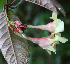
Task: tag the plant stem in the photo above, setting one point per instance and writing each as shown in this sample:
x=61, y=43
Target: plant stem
x=30, y=26
x=13, y=7
x=13, y=2
x=7, y=6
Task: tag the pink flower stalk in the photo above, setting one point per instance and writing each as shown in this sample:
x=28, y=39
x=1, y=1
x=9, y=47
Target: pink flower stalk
x=17, y=26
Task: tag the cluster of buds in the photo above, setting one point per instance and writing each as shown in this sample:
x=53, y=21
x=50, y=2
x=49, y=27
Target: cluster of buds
x=17, y=26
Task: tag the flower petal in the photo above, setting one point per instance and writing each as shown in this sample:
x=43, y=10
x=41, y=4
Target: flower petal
x=59, y=25
x=51, y=48
x=54, y=16
x=49, y=51
x=61, y=39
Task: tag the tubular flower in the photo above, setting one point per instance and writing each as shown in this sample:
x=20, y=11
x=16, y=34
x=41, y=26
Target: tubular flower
x=49, y=43
x=46, y=43
x=54, y=27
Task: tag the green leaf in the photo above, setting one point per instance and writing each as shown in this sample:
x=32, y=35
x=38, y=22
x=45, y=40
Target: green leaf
x=12, y=17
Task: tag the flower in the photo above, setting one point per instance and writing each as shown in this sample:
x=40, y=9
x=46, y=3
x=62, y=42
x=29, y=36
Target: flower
x=49, y=43
x=45, y=43
x=54, y=27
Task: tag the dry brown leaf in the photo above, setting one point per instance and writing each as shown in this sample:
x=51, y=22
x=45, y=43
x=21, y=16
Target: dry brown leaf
x=44, y=3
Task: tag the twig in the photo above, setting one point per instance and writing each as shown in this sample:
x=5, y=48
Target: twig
x=6, y=6
x=13, y=2
x=13, y=7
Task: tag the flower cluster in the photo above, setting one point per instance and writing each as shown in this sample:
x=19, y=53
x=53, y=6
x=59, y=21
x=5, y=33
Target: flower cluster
x=49, y=43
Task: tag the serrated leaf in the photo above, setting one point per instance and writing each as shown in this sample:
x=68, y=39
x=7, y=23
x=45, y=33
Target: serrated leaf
x=44, y=3
x=21, y=48
x=14, y=48
x=49, y=4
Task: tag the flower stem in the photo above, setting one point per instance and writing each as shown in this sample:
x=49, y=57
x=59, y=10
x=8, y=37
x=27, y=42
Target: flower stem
x=31, y=26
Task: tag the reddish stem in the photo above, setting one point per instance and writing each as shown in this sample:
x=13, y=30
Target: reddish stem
x=6, y=1
x=13, y=2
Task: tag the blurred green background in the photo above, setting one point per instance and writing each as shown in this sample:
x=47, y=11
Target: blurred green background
x=33, y=14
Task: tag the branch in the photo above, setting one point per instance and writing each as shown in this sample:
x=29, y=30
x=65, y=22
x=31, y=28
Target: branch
x=6, y=5
x=13, y=7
